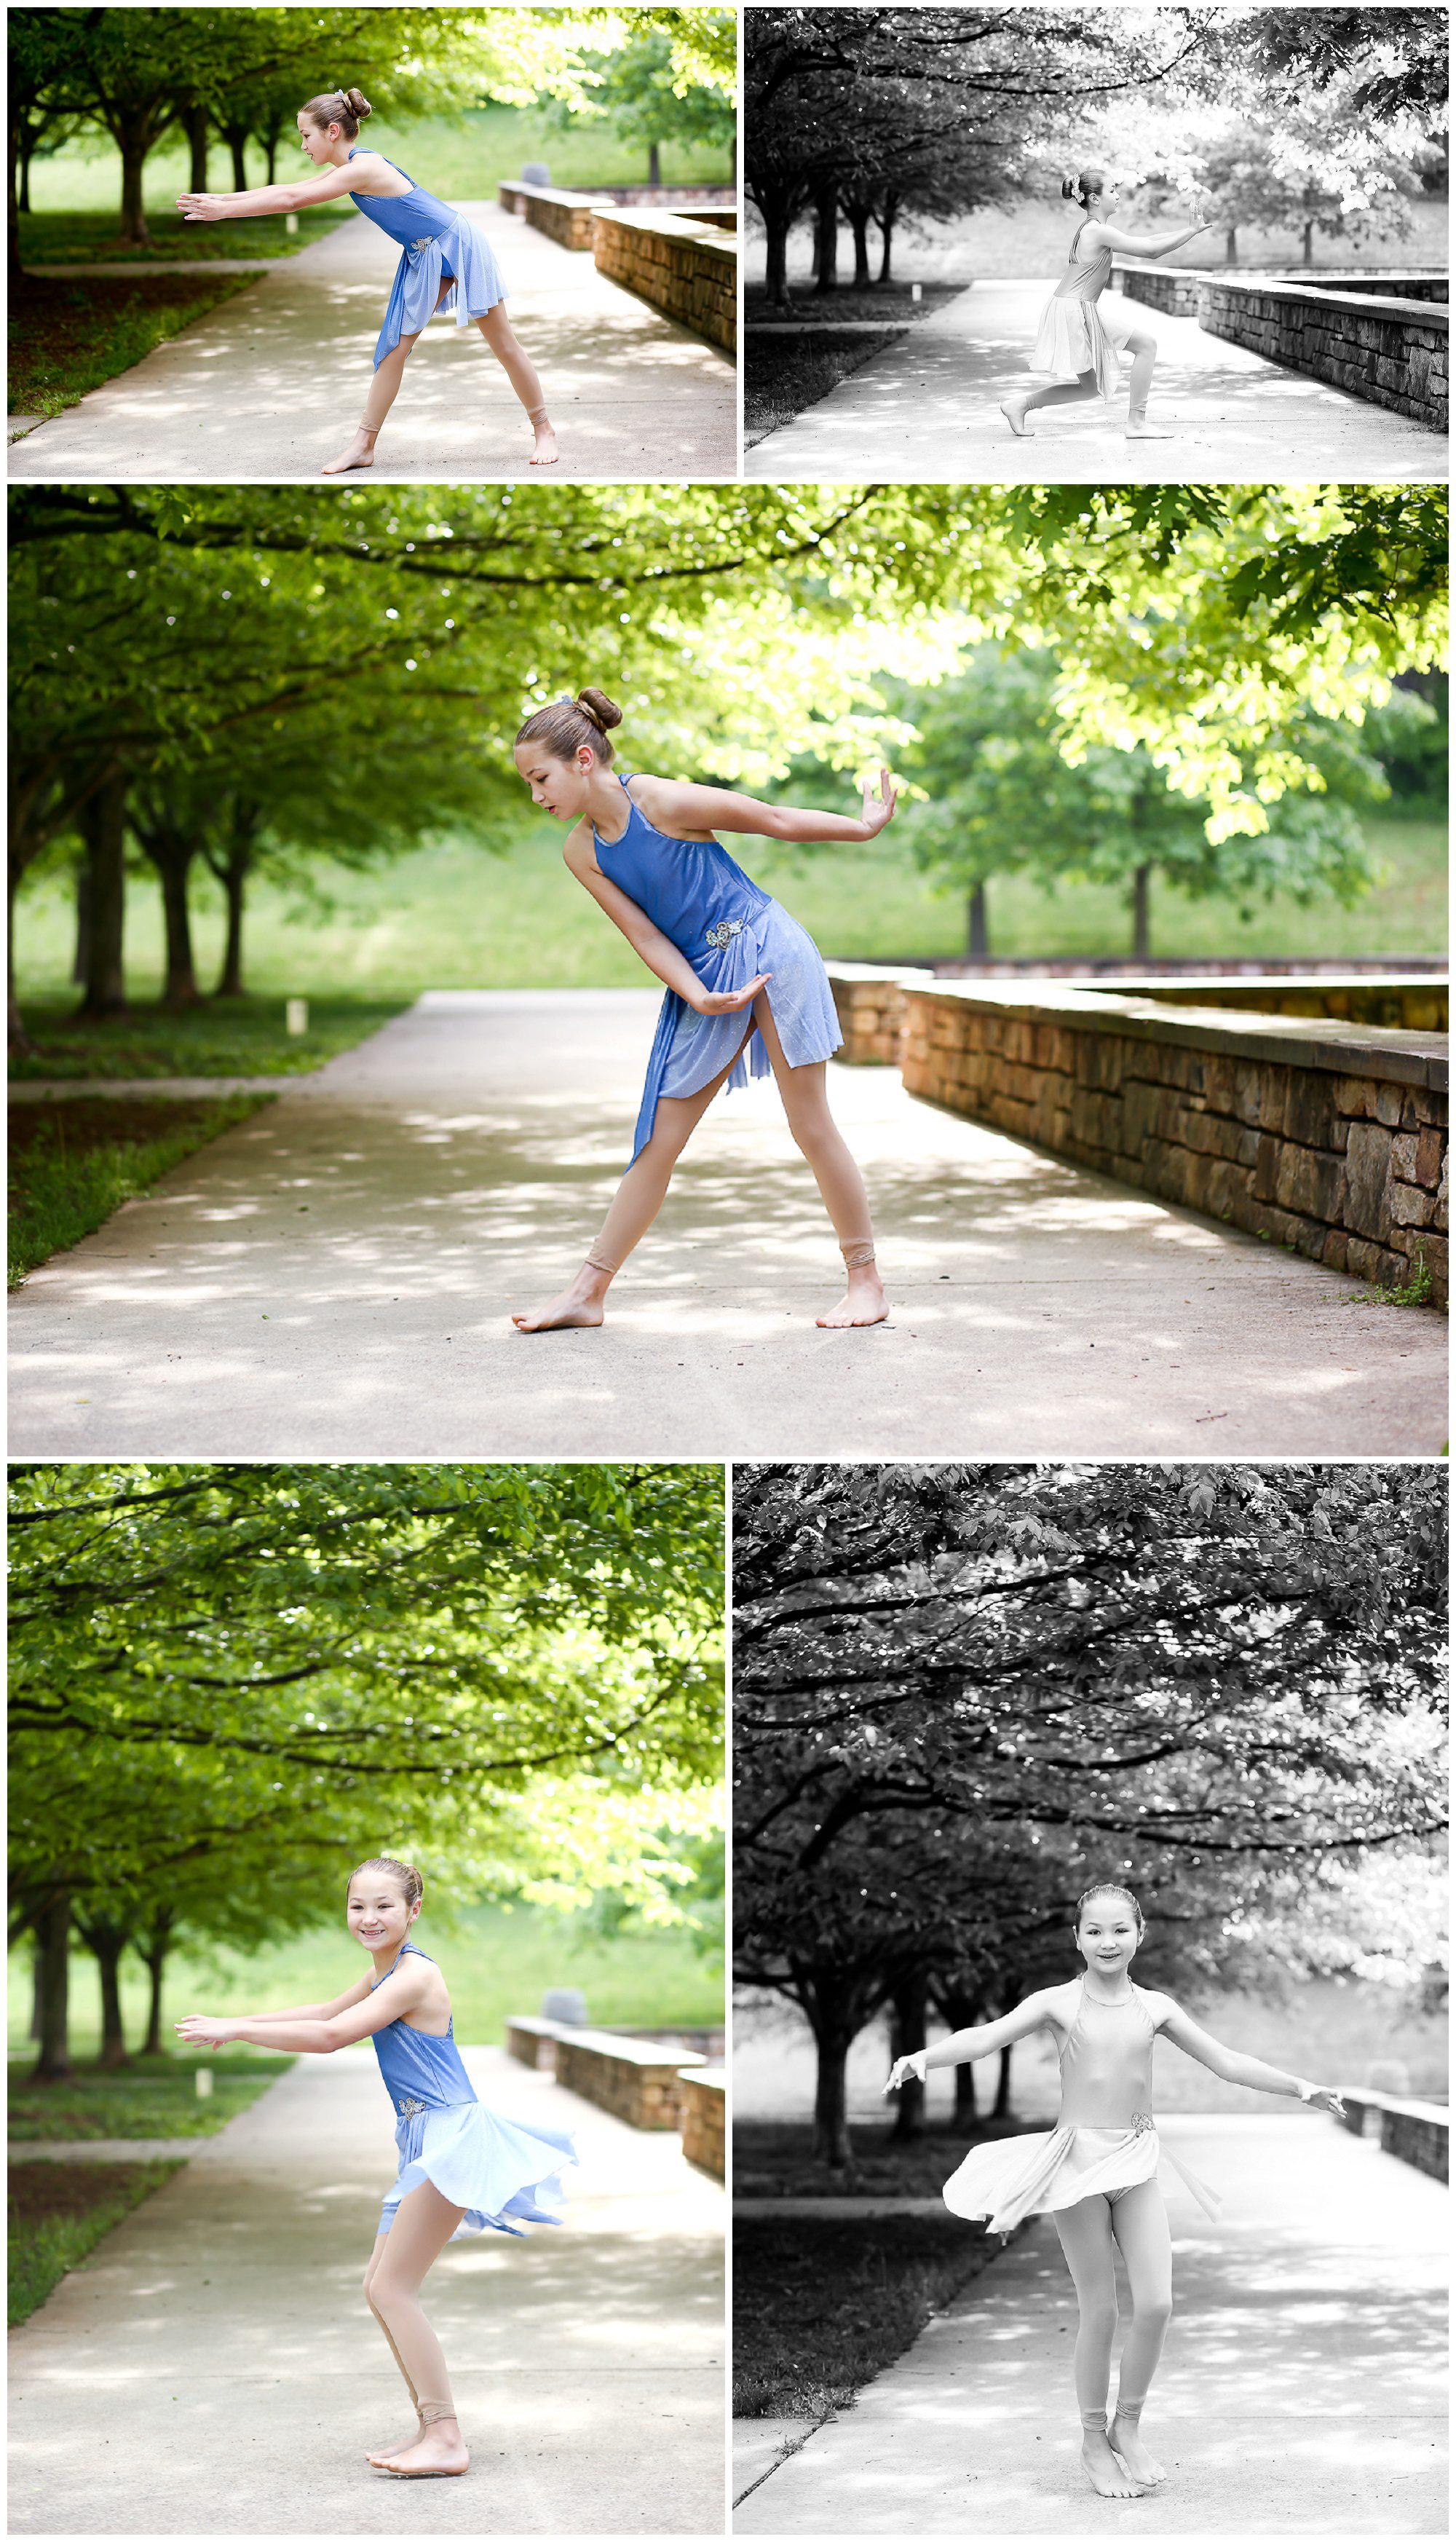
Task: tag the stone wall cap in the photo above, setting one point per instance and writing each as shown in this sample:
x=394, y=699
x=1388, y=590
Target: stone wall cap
x=670, y=225
x=1403, y=2109
x=1390, y=1051
x=890, y=973
x=710, y=2078
x=634, y=2051
x=558, y=194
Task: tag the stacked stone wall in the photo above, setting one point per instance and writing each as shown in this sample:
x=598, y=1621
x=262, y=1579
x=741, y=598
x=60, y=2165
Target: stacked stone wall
x=688, y=270
x=569, y=218
x=633, y=2084
x=704, y=2132
x=1344, y=1159
x=1390, y=349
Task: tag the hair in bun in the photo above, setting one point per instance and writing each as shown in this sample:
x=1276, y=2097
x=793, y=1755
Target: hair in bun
x=1083, y=188
x=403, y=1874
x=563, y=726
x=345, y=106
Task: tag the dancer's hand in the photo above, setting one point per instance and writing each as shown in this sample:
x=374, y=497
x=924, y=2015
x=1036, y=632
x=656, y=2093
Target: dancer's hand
x=906, y=2069
x=201, y=207
x=204, y=2030
x=729, y=1002
x=1323, y=2096
x=879, y=809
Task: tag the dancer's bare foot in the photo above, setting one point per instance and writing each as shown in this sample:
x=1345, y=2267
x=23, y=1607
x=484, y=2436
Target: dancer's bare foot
x=383, y=2454
x=1124, y=2440
x=1140, y=429
x=863, y=1302
x=1015, y=414
x=1104, y=2469
x=545, y=451
x=440, y=2454
x=359, y=454
x=581, y=1304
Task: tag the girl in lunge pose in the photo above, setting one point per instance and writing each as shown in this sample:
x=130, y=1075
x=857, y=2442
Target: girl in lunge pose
x=462, y=2169
x=744, y=981
x=1097, y=2172
x=1077, y=346
x=445, y=262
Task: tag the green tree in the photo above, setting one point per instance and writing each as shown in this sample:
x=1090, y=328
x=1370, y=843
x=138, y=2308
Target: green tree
x=640, y=88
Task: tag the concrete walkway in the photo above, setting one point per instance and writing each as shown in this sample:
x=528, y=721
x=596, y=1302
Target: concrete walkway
x=271, y=384
x=336, y=1278
x=214, y=2369
x=1301, y=2391
x=925, y=411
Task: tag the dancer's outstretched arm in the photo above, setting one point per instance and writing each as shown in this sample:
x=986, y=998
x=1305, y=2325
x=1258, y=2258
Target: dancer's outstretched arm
x=1125, y=243
x=698, y=810
x=1232, y=2066
x=275, y=198
x=303, y=2011
x=314, y=2033
x=984, y=2039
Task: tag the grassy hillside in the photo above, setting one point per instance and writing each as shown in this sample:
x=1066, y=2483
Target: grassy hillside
x=457, y=916
x=496, y=1962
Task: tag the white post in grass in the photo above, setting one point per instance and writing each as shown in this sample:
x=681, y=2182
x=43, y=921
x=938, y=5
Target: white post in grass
x=204, y=2082
x=298, y=1015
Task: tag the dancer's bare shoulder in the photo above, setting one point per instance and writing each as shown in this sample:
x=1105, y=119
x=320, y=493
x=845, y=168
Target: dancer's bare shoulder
x=580, y=851
x=1160, y=2007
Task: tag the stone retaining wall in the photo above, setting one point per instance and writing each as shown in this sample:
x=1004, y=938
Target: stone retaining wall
x=641, y=2085
x=870, y=999
x=1415, y=2131
x=1389, y=349
x=689, y=270
x=569, y=218
x=705, y=2134
x=1327, y=1136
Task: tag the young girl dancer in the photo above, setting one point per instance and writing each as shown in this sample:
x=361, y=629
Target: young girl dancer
x=1097, y=2172
x=1075, y=344
x=744, y=981
x=445, y=264
x=461, y=2168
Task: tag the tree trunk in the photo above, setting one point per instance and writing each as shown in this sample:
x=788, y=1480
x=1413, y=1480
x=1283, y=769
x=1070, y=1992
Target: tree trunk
x=154, y=1947
x=964, y=2112
x=103, y=825
x=654, y=164
x=27, y=154
x=34, y=2031
x=81, y=962
x=885, y=223
x=195, y=124
x=776, y=278
x=859, y=229
x=132, y=145
x=1309, y=243
x=1230, y=247
x=1142, y=903
x=978, y=937
x=53, y=1933
x=12, y=214
x=20, y=1042
x=1001, y=2106
x=907, y=2034
x=230, y=978
x=172, y=849
x=831, y=2118
x=827, y=240
x=236, y=136
x=107, y=1941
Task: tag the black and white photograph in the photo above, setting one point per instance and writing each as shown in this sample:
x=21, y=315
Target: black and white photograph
x=1090, y=2028
x=1109, y=246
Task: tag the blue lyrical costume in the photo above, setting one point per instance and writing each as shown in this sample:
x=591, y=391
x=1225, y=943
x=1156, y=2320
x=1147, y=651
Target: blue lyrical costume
x=729, y=930
x=440, y=246
x=502, y=2174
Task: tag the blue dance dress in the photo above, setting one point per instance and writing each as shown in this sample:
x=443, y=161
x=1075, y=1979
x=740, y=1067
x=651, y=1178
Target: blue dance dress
x=729, y=930
x=439, y=246
x=493, y=2167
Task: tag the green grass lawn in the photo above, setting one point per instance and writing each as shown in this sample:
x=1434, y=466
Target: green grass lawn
x=58, y=2211
x=68, y=235
x=497, y=1961
x=155, y=2096
x=71, y=1165
x=464, y=157
x=65, y=339
x=776, y=2158
x=820, y=2307
x=785, y=374
x=455, y=915
x=241, y=1037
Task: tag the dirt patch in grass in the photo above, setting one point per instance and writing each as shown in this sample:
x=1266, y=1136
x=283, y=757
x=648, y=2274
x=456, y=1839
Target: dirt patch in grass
x=152, y=2096
x=785, y=374
x=68, y=337
x=236, y=1037
x=891, y=306
x=820, y=2306
x=72, y=1164
x=60, y=2210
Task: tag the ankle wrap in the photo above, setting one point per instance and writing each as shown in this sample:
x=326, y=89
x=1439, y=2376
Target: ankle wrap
x=858, y=1257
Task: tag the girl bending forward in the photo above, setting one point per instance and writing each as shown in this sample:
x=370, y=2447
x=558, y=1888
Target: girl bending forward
x=746, y=988
x=462, y=2169
x=1075, y=344
x=444, y=261
x=1097, y=2172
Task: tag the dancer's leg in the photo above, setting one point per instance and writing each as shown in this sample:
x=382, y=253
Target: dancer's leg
x=384, y=388
x=805, y=1098
x=423, y=2225
x=1085, y=2232
x=1023, y=402
x=374, y=2256
x=1144, y=348
x=639, y=1196
x=1140, y=2221
x=521, y=371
